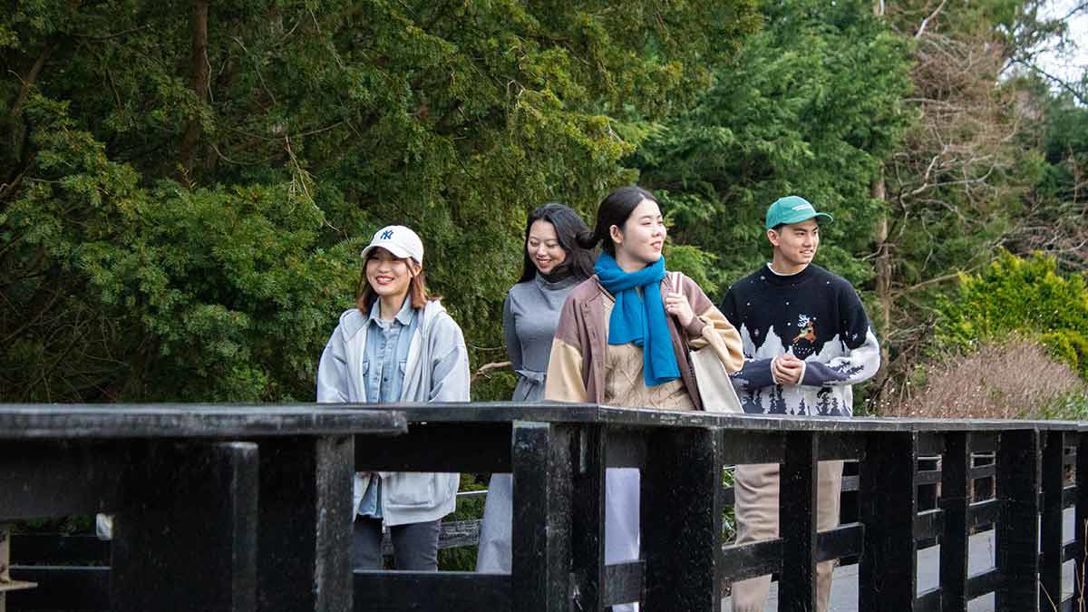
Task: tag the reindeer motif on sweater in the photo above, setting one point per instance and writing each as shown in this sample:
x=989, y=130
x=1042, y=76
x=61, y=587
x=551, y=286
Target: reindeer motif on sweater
x=817, y=317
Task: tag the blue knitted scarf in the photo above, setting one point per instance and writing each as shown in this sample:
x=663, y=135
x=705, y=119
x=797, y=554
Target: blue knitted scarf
x=640, y=318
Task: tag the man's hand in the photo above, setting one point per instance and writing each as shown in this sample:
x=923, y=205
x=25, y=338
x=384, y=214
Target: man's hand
x=787, y=370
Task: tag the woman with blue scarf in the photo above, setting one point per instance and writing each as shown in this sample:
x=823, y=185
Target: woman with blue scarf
x=623, y=338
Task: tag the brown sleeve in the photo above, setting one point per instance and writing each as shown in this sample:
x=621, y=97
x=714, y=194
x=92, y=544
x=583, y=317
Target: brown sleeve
x=712, y=329
x=565, y=381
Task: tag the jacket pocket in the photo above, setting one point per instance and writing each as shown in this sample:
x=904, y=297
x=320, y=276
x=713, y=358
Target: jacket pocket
x=413, y=489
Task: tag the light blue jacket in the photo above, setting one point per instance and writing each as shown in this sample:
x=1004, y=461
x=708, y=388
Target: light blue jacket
x=436, y=371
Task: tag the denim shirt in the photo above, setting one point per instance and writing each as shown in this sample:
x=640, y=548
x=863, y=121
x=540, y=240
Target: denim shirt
x=384, y=358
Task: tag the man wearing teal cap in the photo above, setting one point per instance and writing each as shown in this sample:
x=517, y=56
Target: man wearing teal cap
x=806, y=340
x=792, y=209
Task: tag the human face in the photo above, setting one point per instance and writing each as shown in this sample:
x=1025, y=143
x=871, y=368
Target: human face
x=389, y=276
x=639, y=242
x=543, y=247
x=794, y=246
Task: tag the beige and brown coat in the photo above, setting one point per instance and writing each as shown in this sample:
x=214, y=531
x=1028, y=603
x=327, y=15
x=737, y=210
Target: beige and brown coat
x=579, y=350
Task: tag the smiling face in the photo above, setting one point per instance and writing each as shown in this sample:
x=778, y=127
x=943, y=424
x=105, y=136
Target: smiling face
x=794, y=245
x=389, y=276
x=543, y=247
x=639, y=242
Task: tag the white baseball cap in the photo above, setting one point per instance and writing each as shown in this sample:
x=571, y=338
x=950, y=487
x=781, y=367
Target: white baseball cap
x=401, y=241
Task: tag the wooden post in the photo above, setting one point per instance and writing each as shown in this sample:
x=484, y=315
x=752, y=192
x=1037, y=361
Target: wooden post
x=955, y=467
x=541, y=531
x=1050, y=570
x=1080, y=524
x=797, y=521
x=888, y=503
x=185, y=537
x=588, y=519
x=305, y=524
x=682, y=520
x=1017, y=534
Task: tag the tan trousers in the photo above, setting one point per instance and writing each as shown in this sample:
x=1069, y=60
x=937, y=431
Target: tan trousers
x=756, y=490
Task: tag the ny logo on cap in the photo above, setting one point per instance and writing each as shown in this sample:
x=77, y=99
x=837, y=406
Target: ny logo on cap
x=387, y=234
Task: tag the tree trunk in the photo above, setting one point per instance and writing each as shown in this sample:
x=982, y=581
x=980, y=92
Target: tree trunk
x=16, y=128
x=883, y=277
x=201, y=70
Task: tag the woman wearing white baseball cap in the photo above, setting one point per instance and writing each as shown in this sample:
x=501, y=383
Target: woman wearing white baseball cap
x=397, y=345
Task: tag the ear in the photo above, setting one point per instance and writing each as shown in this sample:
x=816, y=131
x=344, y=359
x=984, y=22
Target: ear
x=616, y=234
x=772, y=237
x=414, y=268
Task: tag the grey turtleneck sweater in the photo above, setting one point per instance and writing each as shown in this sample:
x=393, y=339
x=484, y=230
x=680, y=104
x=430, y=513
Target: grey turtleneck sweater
x=529, y=317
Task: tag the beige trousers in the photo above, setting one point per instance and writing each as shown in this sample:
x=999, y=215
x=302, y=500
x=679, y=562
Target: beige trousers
x=756, y=490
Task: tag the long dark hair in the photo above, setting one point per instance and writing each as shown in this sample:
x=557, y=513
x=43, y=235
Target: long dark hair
x=568, y=225
x=614, y=209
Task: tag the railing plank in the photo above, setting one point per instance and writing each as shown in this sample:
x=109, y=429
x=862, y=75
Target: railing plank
x=797, y=501
x=304, y=562
x=928, y=524
x=747, y=447
x=1069, y=551
x=541, y=531
x=62, y=588
x=1080, y=524
x=956, y=531
x=983, y=513
x=1017, y=536
x=743, y=561
x=930, y=601
x=841, y=446
x=439, y=447
x=1050, y=563
x=57, y=549
x=931, y=444
x=590, y=579
x=60, y=478
x=626, y=447
x=989, y=581
x=842, y=541
x=624, y=583
x=387, y=591
x=888, y=502
x=682, y=534
x=984, y=442
x=187, y=532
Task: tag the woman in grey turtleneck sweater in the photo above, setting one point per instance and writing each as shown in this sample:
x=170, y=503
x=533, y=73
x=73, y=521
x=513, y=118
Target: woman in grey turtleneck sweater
x=554, y=264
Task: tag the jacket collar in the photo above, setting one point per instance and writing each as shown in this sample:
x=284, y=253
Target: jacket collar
x=404, y=315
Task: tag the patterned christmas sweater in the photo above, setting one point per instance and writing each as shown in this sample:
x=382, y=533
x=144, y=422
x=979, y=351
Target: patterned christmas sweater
x=814, y=315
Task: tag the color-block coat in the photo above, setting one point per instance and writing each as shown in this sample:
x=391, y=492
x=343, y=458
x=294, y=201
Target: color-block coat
x=576, y=365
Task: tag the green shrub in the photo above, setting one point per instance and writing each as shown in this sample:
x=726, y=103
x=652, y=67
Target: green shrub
x=1018, y=296
x=1070, y=347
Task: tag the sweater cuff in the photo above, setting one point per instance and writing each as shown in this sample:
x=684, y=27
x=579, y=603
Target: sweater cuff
x=695, y=328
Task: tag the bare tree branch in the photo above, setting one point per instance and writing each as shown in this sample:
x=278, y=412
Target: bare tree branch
x=925, y=22
x=1060, y=82
x=487, y=367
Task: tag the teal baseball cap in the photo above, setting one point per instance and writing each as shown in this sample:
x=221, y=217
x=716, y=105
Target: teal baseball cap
x=792, y=209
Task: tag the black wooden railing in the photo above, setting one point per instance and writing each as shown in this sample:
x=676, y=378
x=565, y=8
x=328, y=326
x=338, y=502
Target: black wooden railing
x=917, y=483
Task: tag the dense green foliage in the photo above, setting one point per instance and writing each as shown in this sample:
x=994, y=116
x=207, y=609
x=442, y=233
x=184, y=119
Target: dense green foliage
x=184, y=185
x=1015, y=296
x=812, y=105
x=183, y=193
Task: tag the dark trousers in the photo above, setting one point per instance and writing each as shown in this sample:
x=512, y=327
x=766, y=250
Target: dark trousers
x=415, y=545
